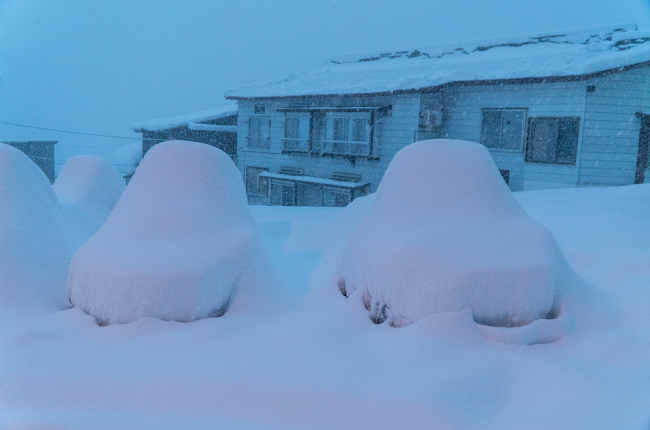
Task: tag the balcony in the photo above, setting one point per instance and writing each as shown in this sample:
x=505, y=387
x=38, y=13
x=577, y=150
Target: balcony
x=296, y=145
x=339, y=147
x=258, y=142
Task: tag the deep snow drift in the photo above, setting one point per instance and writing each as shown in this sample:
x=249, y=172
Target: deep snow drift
x=35, y=247
x=42, y=225
x=91, y=185
x=179, y=245
x=445, y=233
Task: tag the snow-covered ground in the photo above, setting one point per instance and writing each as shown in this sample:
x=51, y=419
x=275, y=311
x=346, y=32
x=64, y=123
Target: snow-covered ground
x=317, y=361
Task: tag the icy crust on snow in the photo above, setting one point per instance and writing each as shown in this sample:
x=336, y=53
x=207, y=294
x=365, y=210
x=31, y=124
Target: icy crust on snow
x=571, y=53
x=180, y=120
x=445, y=233
x=90, y=183
x=178, y=245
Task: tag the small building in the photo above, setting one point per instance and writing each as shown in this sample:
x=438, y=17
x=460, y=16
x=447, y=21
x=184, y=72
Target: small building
x=570, y=109
x=41, y=152
x=216, y=127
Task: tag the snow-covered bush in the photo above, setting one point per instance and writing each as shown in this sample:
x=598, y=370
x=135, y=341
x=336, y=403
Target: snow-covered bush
x=91, y=185
x=179, y=244
x=445, y=233
x=35, y=246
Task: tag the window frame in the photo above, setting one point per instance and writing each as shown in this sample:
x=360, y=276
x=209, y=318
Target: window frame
x=530, y=129
x=282, y=183
x=250, y=138
x=300, y=116
x=346, y=118
x=257, y=181
x=341, y=191
x=524, y=129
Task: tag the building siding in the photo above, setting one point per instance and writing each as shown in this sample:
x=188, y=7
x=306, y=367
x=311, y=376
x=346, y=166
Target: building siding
x=392, y=134
x=607, y=140
x=611, y=138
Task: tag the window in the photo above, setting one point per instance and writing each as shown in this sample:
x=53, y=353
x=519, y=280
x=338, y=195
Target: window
x=503, y=128
x=552, y=140
x=309, y=194
x=254, y=183
x=296, y=133
x=259, y=131
x=259, y=109
x=347, y=135
x=336, y=197
x=283, y=193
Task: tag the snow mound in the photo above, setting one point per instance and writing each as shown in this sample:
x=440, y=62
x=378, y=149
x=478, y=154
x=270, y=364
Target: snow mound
x=127, y=158
x=89, y=183
x=445, y=233
x=35, y=249
x=179, y=245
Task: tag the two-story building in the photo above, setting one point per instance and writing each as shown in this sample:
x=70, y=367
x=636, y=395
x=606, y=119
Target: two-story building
x=562, y=110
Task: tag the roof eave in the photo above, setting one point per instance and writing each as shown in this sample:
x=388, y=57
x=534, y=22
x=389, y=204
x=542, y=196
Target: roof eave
x=432, y=89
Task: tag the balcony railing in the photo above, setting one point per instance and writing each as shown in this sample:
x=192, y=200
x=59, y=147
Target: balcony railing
x=258, y=142
x=340, y=147
x=295, y=145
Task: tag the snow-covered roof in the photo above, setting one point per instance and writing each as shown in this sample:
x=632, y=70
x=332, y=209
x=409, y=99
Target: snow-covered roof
x=178, y=121
x=571, y=53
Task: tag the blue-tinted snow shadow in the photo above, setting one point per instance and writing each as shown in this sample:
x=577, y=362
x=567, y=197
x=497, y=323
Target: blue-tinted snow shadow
x=295, y=267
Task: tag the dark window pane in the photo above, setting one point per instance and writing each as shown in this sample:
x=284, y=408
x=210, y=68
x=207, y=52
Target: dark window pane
x=567, y=145
x=287, y=195
x=258, y=132
x=303, y=128
x=276, y=194
x=358, y=126
x=251, y=180
x=254, y=127
x=491, y=128
x=291, y=127
x=542, y=146
x=512, y=129
x=341, y=200
x=309, y=194
x=262, y=185
x=339, y=131
x=254, y=183
x=265, y=128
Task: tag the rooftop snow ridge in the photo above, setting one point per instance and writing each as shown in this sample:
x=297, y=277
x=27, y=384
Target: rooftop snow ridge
x=569, y=54
x=620, y=34
x=180, y=120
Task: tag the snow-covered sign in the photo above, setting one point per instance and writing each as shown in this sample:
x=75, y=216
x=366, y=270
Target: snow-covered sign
x=565, y=54
x=181, y=120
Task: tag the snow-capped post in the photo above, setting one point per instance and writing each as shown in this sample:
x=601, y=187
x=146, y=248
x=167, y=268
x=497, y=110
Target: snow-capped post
x=444, y=234
x=180, y=244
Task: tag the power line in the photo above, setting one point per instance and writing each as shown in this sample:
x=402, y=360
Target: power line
x=70, y=132
x=63, y=162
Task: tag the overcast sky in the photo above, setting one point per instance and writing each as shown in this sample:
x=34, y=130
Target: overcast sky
x=99, y=66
